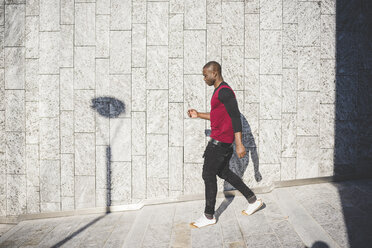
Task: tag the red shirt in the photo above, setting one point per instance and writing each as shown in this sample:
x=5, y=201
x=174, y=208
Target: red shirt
x=221, y=124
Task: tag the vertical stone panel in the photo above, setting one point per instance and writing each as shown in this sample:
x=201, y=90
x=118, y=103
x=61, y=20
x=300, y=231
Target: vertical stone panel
x=157, y=188
x=308, y=153
x=84, y=154
x=102, y=164
x=289, y=135
x=269, y=141
x=193, y=182
x=121, y=183
x=120, y=52
x=157, y=67
x=49, y=50
x=139, y=133
x=157, y=23
x=15, y=113
x=233, y=66
x=308, y=113
x=83, y=112
x=176, y=112
x=67, y=46
x=33, y=200
x=138, y=45
x=327, y=125
x=214, y=42
x=232, y=23
x=102, y=77
x=15, y=153
x=32, y=165
x=328, y=7
x=67, y=11
x=121, y=14
x=252, y=36
x=175, y=80
x=49, y=138
x=2, y=46
x=121, y=89
x=157, y=156
x=2, y=91
x=16, y=194
x=271, y=14
x=271, y=52
x=157, y=111
x=49, y=95
x=290, y=59
x=290, y=11
x=85, y=192
x=120, y=139
x=214, y=11
x=84, y=68
x=289, y=90
x=270, y=96
x=103, y=7
x=175, y=168
x=67, y=131
x=288, y=169
x=252, y=6
x=308, y=68
x=32, y=37
x=32, y=8
x=194, y=140
x=14, y=67
x=50, y=185
x=67, y=203
x=194, y=88
x=66, y=88
x=308, y=24
x=138, y=89
x=194, y=51
x=327, y=81
x=85, y=24
x=176, y=36
x=31, y=80
x=15, y=17
x=49, y=15
x=195, y=14
x=32, y=123
x=139, y=12
x=67, y=175
x=139, y=177
x=328, y=37
x=176, y=6
x=251, y=113
x=326, y=163
x=102, y=36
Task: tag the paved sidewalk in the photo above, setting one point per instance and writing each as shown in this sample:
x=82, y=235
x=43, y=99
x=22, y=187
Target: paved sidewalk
x=318, y=215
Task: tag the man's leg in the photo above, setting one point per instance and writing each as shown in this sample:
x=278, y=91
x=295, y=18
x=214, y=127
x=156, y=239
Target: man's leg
x=226, y=174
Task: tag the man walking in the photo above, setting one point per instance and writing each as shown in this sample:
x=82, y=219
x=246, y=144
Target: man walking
x=226, y=127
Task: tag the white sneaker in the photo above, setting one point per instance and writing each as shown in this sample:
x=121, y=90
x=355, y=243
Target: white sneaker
x=253, y=207
x=203, y=221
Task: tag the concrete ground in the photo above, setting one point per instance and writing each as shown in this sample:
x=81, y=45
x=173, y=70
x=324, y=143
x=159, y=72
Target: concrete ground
x=317, y=215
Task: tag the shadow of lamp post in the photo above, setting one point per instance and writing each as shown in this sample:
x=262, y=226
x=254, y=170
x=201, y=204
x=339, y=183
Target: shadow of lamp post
x=108, y=107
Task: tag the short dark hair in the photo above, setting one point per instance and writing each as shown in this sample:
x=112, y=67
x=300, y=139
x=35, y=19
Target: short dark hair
x=214, y=65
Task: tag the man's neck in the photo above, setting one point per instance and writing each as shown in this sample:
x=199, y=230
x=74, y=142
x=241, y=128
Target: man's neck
x=218, y=82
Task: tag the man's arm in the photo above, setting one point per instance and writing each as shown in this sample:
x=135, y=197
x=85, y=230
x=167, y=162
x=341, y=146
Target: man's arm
x=195, y=114
x=226, y=96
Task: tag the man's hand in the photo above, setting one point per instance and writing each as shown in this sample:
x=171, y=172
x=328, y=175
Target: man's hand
x=192, y=113
x=240, y=150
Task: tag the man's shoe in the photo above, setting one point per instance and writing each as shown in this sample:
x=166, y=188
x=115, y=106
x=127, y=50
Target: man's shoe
x=203, y=221
x=253, y=207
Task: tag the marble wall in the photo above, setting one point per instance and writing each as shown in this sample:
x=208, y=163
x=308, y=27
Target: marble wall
x=58, y=55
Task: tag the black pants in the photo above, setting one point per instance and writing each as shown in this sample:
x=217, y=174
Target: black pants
x=216, y=162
